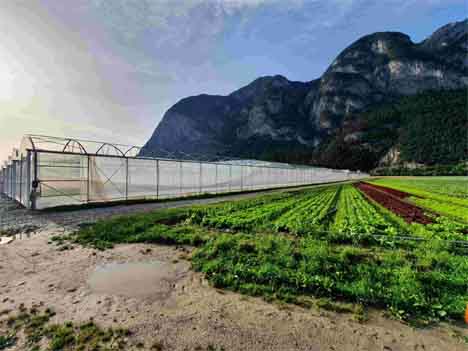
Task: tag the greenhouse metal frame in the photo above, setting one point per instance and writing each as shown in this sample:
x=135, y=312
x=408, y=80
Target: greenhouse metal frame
x=51, y=171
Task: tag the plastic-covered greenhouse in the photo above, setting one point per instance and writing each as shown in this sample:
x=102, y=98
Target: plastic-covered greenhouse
x=50, y=171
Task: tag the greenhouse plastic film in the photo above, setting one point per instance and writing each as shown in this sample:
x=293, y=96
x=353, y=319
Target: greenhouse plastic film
x=66, y=178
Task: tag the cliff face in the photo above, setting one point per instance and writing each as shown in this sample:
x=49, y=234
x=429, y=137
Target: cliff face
x=268, y=109
x=380, y=67
x=273, y=112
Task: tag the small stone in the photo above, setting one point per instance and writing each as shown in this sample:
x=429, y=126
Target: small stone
x=21, y=283
x=71, y=290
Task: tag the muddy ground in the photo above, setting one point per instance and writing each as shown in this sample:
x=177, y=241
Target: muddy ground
x=185, y=313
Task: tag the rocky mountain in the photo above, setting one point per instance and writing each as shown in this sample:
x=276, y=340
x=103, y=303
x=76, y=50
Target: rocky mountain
x=270, y=109
x=273, y=114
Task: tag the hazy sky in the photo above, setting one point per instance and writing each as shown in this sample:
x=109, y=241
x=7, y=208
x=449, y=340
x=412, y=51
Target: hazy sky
x=109, y=69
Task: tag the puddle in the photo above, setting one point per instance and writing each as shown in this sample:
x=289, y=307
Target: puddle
x=137, y=279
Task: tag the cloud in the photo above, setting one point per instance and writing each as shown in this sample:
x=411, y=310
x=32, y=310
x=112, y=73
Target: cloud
x=176, y=20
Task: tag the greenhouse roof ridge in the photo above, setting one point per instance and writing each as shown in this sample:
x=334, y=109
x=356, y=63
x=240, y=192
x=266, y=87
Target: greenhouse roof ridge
x=54, y=144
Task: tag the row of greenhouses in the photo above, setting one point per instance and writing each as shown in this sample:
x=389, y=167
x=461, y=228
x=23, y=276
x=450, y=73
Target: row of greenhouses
x=49, y=171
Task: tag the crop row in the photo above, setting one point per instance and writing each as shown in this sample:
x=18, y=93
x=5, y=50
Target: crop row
x=311, y=215
x=249, y=215
x=357, y=219
x=340, y=214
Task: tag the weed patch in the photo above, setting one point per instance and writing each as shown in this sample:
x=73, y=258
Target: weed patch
x=38, y=330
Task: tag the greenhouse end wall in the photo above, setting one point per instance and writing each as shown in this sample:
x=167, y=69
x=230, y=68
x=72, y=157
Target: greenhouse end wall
x=41, y=179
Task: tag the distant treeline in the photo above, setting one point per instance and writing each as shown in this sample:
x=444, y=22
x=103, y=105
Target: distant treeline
x=436, y=170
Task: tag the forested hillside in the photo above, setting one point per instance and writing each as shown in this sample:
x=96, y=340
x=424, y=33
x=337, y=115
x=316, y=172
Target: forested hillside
x=429, y=128
x=432, y=126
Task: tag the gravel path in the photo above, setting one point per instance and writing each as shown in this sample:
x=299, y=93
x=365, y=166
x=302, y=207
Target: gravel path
x=15, y=220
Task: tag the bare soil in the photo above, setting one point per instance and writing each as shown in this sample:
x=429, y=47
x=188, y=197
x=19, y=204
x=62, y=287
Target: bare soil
x=190, y=315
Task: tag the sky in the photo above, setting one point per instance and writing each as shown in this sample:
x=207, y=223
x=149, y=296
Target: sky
x=109, y=69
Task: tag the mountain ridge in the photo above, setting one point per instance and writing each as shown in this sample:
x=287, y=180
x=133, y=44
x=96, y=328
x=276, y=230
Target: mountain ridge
x=273, y=113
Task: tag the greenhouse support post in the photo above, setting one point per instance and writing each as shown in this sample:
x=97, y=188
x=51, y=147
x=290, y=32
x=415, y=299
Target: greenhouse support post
x=157, y=179
x=88, y=180
x=21, y=179
x=35, y=182
x=126, y=178
x=230, y=178
x=200, y=183
x=28, y=178
x=216, y=179
x=180, y=178
x=242, y=178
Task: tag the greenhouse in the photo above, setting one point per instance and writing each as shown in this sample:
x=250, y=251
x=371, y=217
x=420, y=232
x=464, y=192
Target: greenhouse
x=51, y=171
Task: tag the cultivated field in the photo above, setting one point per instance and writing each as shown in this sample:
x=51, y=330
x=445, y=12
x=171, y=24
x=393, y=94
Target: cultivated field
x=379, y=256
x=445, y=195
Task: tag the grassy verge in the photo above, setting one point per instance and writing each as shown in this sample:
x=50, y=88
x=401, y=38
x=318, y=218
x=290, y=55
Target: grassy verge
x=162, y=227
